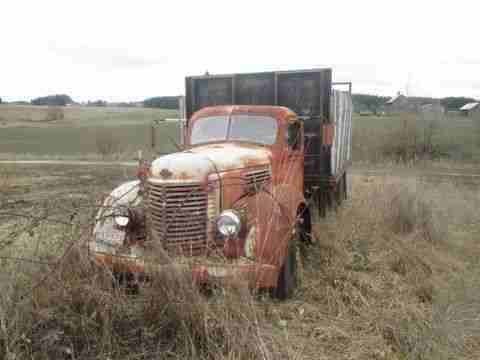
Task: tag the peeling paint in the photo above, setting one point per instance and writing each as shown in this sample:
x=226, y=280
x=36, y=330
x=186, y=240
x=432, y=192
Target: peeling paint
x=197, y=163
x=250, y=243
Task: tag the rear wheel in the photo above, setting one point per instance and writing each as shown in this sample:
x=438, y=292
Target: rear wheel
x=341, y=190
x=126, y=282
x=287, y=278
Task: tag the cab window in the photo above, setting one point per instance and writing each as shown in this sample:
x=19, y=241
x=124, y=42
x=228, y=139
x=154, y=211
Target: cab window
x=294, y=136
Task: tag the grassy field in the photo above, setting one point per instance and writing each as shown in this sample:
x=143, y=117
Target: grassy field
x=79, y=116
x=389, y=138
x=393, y=275
x=99, y=133
x=26, y=134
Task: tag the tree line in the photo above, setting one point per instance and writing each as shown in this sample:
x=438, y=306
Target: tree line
x=361, y=102
x=53, y=100
x=164, y=102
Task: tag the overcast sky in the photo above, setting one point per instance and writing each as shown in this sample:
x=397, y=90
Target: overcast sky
x=130, y=50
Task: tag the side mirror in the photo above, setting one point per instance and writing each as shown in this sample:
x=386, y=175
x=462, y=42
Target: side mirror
x=294, y=137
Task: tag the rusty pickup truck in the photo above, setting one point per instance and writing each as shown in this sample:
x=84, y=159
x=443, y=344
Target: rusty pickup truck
x=264, y=154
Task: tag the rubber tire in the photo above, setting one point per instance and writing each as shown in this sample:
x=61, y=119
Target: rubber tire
x=339, y=196
x=123, y=281
x=287, y=277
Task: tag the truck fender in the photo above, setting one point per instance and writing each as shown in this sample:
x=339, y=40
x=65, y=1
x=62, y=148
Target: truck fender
x=274, y=214
x=105, y=232
x=292, y=198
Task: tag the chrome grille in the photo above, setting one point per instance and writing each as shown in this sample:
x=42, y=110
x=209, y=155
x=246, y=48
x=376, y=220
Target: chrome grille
x=178, y=215
x=256, y=179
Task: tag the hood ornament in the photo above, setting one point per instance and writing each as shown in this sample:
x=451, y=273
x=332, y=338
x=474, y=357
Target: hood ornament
x=165, y=174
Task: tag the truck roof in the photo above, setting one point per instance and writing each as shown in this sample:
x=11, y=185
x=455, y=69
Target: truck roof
x=279, y=112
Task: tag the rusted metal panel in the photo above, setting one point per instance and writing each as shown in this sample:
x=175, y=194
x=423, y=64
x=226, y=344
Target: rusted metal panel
x=254, y=89
x=307, y=92
x=328, y=132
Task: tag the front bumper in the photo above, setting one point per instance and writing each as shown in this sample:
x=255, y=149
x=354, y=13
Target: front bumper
x=255, y=275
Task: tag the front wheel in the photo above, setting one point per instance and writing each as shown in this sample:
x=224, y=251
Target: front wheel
x=287, y=278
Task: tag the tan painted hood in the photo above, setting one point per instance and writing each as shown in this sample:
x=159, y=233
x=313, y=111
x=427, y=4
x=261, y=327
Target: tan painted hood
x=197, y=163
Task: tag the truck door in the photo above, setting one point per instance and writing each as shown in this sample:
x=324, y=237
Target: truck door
x=293, y=168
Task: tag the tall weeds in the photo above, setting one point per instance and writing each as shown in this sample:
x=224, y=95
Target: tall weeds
x=383, y=269
x=385, y=279
x=75, y=312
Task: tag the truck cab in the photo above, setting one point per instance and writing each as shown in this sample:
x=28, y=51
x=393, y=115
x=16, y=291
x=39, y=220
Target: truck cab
x=233, y=205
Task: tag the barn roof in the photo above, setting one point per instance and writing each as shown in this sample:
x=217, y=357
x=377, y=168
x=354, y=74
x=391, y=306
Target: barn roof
x=393, y=99
x=469, y=106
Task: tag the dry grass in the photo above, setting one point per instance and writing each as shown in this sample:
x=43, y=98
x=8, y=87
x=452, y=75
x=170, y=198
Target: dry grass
x=393, y=275
x=6, y=182
x=106, y=143
x=382, y=283
x=75, y=313
x=54, y=113
x=60, y=305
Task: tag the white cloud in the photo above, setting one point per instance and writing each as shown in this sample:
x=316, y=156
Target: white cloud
x=123, y=50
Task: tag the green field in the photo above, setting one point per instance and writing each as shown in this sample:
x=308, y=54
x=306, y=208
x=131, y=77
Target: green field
x=26, y=134
x=79, y=116
x=378, y=139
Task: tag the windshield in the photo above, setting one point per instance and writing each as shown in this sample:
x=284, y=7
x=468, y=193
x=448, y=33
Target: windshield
x=251, y=128
x=207, y=129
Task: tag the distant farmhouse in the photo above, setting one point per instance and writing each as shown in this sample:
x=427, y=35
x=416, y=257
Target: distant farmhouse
x=403, y=104
x=398, y=104
x=471, y=109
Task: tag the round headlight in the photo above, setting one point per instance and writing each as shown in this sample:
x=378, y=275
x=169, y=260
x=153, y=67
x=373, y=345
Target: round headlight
x=121, y=220
x=228, y=223
x=121, y=217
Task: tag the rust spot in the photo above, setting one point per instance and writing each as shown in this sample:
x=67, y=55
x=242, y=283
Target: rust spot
x=252, y=161
x=184, y=176
x=143, y=171
x=328, y=133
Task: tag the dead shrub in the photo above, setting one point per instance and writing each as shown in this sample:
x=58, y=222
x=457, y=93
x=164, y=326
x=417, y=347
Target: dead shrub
x=406, y=262
x=408, y=212
x=6, y=182
x=106, y=143
x=400, y=144
x=403, y=212
x=410, y=334
x=54, y=113
x=411, y=139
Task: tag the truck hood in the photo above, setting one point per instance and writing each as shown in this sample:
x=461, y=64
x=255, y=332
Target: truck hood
x=197, y=163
